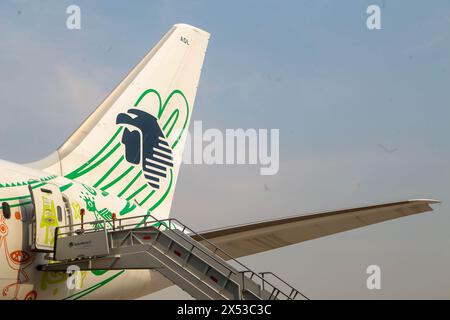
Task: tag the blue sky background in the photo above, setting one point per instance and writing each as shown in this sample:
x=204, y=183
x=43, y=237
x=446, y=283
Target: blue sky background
x=339, y=93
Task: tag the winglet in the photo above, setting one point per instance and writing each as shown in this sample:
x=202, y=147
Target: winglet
x=429, y=201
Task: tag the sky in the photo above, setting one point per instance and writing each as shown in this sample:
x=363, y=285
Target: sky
x=363, y=118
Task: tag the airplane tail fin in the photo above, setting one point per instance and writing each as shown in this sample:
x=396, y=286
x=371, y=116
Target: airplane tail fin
x=132, y=144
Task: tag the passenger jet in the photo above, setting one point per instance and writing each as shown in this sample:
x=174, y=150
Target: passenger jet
x=123, y=162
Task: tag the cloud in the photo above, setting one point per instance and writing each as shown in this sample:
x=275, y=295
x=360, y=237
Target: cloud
x=74, y=88
x=47, y=92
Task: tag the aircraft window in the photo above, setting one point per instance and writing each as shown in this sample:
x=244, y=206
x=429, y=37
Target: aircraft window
x=6, y=210
x=60, y=216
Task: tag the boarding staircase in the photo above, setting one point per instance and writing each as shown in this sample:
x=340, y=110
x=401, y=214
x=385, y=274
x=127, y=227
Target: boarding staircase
x=183, y=256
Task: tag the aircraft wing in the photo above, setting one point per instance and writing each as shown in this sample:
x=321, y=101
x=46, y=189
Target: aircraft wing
x=248, y=239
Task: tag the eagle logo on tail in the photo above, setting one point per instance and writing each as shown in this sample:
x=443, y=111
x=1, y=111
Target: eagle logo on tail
x=146, y=145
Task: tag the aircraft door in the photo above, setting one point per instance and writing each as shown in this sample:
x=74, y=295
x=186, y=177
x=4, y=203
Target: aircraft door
x=49, y=213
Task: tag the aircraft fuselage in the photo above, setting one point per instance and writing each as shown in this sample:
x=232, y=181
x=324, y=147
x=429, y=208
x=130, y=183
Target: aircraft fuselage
x=19, y=257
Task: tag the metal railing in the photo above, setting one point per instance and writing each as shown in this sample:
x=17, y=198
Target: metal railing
x=175, y=224
x=293, y=293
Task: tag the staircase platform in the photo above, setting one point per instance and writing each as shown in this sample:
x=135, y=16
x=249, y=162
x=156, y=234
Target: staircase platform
x=204, y=271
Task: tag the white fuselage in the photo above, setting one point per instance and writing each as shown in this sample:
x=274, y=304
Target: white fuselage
x=19, y=277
